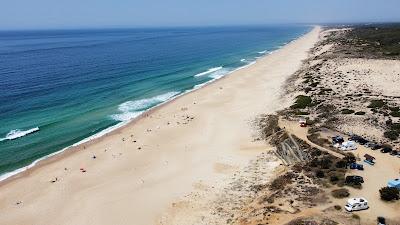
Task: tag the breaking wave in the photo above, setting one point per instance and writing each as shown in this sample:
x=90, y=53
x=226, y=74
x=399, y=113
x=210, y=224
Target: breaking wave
x=14, y=134
x=212, y=70
x=132, y=109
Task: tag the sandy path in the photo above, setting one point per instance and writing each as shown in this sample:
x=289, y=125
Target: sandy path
x=293, y=128
x=142, y=168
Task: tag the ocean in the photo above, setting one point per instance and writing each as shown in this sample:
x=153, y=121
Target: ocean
x=62, y=87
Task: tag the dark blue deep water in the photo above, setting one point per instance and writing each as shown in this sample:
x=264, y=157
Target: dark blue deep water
x=60, y=87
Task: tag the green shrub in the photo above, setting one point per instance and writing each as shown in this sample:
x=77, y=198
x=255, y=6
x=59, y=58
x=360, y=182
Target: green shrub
x=316, y=152
x=395, y=113
x=320, y=174
x=376, y=104
x=391, y=134
x=355, y=216
x=354, y=185
x=389, y=193
x=333, y=179
x=395, y=126
x=326, y=163
x=341, y=164
x=302, y=102
x=347, y=111
x=360, y=113
x=301, y=113
x=340, y=193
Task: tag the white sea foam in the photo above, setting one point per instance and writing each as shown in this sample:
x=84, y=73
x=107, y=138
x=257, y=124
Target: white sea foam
x=132, y=109
x=262, y=52
x=220, y=73
x=247, y=65
x=212, y=70
x=200, y=85
x=14, y=134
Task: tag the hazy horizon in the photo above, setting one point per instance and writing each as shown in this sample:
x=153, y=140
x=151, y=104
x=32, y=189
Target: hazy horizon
x=74, y=14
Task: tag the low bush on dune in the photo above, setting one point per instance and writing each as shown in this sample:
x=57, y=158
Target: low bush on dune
x=340, y=193
x=391, y=134
x=355, y=216
x=360, y=113
x=389, y=193
x=301, y=113
x=341, y=164
x=336, y=177
x=317, y=139
x=376, y=104
x=302, y=102
x=347, y=111
x=395, y=113
x=320, y=174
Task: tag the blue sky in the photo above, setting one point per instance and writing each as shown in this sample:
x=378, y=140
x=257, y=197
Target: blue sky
x=42, y=14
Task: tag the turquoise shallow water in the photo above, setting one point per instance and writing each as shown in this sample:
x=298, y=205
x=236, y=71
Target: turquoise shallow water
x=59, y=87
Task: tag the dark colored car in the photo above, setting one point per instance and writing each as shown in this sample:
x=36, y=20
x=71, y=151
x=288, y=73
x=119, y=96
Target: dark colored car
x=370, y=144
x=363, y=141
x=358, y=139
x=376, y=147
x=337, y=139
x=354, y=180
x=394, y=153
x=381, y=220
x=356, y=166
x=386, y=150
x=354, y=138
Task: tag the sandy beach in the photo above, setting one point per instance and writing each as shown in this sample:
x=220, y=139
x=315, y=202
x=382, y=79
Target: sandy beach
x=134, y=174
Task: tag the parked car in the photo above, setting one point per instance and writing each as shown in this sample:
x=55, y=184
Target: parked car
x=395, y=183
x=370, y=144
x=354, y=138
x=386, y=150
x=381, y=220
x=394, y=153
x=337, y=140
x=348, y=145
x=376, y=147
x=363, y=141
x=369, y=159
x=356, y=204
x=356, y=166
x=354, y=180
x=358, y=139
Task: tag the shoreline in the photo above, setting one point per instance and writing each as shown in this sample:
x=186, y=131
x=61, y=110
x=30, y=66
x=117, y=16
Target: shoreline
x=109, y=130
x=18, y=173
x=140, y=168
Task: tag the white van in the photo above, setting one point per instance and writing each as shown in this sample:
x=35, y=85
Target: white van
x=355, y=204
x=348, y=145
